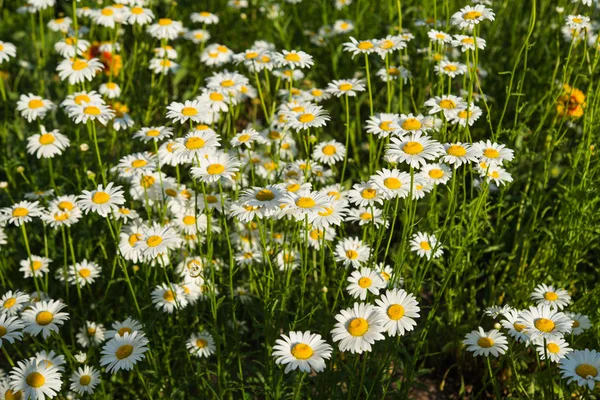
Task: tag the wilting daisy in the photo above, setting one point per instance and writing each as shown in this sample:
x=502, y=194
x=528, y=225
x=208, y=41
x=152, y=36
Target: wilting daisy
x=44, y=317
x=123, y=352
x=346, y=87
x=392, y=183
x=216, y=167
x=102, y=200
x=12, y=302
x=35, y=380
x=35, y=266
x=580, y=323
x=548, y=295
x=78, y=70
x=457, y=154
x=414, y=150
x=201, y=344
x=302, y=350
x=10, y=329
x=483, y=343
x=470, y=16
x=514, y=328
x=91, y=334
x=357, y=328
x=362, y=281
x=581, y=367
x=189, y=110
x=397, y=309
x=21, y=212
x=544, y=322
x=165, y=28
x=47, y=144
x=426, y=245
x=168, y=298
x=555, y=349
x=85, y=380
x=351, y=252
x=33, y=107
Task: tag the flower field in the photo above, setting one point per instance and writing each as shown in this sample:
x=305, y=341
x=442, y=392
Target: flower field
x=299, y=199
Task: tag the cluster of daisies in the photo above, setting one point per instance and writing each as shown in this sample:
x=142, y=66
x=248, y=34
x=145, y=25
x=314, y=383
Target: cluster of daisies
x=544, y=327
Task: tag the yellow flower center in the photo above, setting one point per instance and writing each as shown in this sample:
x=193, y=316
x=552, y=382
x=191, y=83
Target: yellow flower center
x=215, y=169
x=411, y=124
x=165, y=22
x=133, y=239
x=491, y=153
x=194, y=143
x=100, y=197
x=450, y=67
x=35, y=265
x=369, y=193
x=189, y=111
x=345, y=87
x=518, y=327
x=366, y=45
x=84, y=273
x=447, y=104
x=19, y=212
x=137, y=10
x=35, y=380
x=485, y=342
x=201, y=343
x=304, y=118
x=107, y=11
x=147, y=181
x=329, y=150
x=465, y=114
x=35, y=103
x=471, y=15
x=3, y=331
x=215, y=96
x=316, y=234
x=211, y=199
x=586, y=370
x=78, y=65
x=436, y=173
x=553, y=348
x=154, y=241
x=8, y=303
x=124, y=351
x=412, y=148
x=43, y=318
x=395, y=312
x=92, y=110
x=123, y=331
x=468, y=41
x=550, y=296
x=575, y=324
x=326, y=212
x=365, y=282
x=456, y=150
x=46, y=139
x=82, y=98
x=85, y=380
x=577, y=20
x=244, y=138
x=189, y=220
x=169, y=296
x=139, y=163
x=425, y=246
x=227, y=83
x=265, y=195
x=302, y=351
x=386, y=44
x=292, y=57
x=352, y=254
x=366, y=216
x=305, y=202
x=385, y=126
x=358, y=327
x=153, y=133
x=392, y=183
x=544, y=324
x=205, y=14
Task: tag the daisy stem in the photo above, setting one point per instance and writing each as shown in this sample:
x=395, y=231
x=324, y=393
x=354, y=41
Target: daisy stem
x=347, y=140
x=35, y=281
x=51, y=172
x=2, y=89
x=388, y=83
x=369, y=83
x=362, y=375
x=297, y=391
x=10, y=361
x=262, y=99
x=75, y=273
x=92, y=126
x=141, y=376
x=493, y=378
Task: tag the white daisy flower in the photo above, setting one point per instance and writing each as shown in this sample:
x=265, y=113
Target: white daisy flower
x=215, y=167
x=44, y=317
x=165, y=28
x=346, y=87
x=35, y=266
x=449, y=105
x=581, y=367
x=293, y=59
x=103, y=201
x=78, y=70
x=21, y=212
x=483, y=343
x=398, y=309
x=580, y=323
x=553, y=297
x=544, y=322
x=201, y=344
x=458, y=153
x=85, y=380
x=360, y=47
x=189, y=110
x=91, y=334
x=167, y=298
x=426, y=245
x=35, y=380
x=450, y=68
x=7, y=51
x=47, y=144
x=414, y=150
x=352, y=252
x=556, y=349
x=436, y=173
x=33, y=107
x=470, y=16
x=83, y=273
x=357, y=328
x=130, y=326
x=12, y=302
x=123, y=352
x=302, y=350
x=392, y=183
x=10, y=329
x=362, y=281
x=204, y=17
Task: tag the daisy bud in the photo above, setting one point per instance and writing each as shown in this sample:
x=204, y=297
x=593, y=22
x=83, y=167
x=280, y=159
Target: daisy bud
x=20, y=169
x=81, y=357
x=90, y=174
x=324, y=289
x=497, y=326
x=136, y=268
x=84, y=147
x=3, y=185
x=560, y=10
x=243, y=16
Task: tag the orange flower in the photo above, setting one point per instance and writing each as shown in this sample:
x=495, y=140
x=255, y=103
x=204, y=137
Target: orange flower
x=571, y=103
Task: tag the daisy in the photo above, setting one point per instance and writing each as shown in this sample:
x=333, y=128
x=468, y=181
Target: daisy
x=85, y=380
x=397, y=310
x=216, y=55
x=346, y=87
x=246, y=138
x=357, y=328
x=78, y=70
x=110, y=90
x=7, y=51
x=228, y=83
x=388, y=45
x=392, y=183
x=468, y=116
x=311, y=117
x=493, y=153
x=123, y=352
x=12, y=302
x=332, y=214
x=449, y=105
x=293, y=59
x=47, y=144
x=495, y=173
x=67, y=47
x=352, y=252
x=165, y=28
x=363, y=281
x=302, y=350
x=103, y=201
x=363, y=47
x=35, y=266
x=366, y=194
x=580, y=322
x=555, y=349
x=426, y=245
x=458, y=153
x=35, y=380
x=548, y=295
x=6, y=391
x=305, y=204
x=439, y=36
x=205, y=17
x=84, y=112
x=544, y=322
x=581, y=367
x=496, y=311
x=436, y=173
x=450, y=68
x=414, y=150
x=121, y=328
x=190, y=110
x=33, y=107
x=267, y=198
x=515, y=329
x=51, y=358
x=201, y=344
x=153, y=133
x=10, y=329
x=215, y=167
x=168, y=298
x=157, y=240
x=139, y=15
x=44, y=317
x=329, y=152
x=60, y=24
x=383, y=125
x=483, y=343
x=105, y=17
x=470, y=16
x=366, y=216
x=165, y=51
x=468, y=42
x=21, y=212
x=83, y=273
x=342, y=26
x=394, y=73
x=79, y=98
x=217, y=101
x=91, y=334
x=578, y=22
